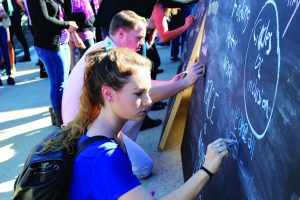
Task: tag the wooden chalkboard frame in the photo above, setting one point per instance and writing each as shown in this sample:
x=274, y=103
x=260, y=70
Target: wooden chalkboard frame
x=175, y=104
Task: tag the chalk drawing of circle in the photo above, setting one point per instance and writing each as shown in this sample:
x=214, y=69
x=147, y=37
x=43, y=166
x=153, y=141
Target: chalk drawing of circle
x=264, y=83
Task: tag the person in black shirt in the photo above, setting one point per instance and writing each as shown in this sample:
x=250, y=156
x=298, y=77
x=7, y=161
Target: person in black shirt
x=47, y=27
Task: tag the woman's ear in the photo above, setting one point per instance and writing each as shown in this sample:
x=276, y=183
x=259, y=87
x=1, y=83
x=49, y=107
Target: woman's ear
x=107, y=93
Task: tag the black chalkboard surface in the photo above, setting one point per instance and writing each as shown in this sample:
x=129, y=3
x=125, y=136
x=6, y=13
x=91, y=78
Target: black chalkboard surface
x=251, y=93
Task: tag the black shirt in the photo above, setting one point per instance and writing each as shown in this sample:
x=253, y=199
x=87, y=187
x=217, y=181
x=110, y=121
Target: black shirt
x=109, y=8
x=47, y=27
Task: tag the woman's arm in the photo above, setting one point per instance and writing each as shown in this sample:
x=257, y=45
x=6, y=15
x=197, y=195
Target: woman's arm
x=161, y=24
x=216, y=151
x=77, y=40
x=21, y=4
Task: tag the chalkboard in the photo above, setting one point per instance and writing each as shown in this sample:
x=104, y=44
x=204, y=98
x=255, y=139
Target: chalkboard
x=251, y=93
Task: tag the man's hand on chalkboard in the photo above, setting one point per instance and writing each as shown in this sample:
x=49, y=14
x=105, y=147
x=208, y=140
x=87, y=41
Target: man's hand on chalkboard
x=196, y=71
x=215, y=153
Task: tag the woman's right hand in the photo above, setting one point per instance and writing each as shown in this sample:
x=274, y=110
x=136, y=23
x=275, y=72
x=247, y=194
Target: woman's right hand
x=188, y=21
x=72, y=26
x=215, y=153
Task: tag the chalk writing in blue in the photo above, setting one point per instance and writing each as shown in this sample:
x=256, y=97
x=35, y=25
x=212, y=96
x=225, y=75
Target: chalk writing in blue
x=209, y=100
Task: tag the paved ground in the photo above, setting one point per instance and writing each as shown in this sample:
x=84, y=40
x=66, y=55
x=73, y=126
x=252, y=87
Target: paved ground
x=24, y=120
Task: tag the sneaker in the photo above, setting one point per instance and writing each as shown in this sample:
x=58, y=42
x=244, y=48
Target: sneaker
x=43, y=73
x=39, y=63
x=1, y=84
x=150, y=123
x=161, y=103
x=10, y=81
x=25, y=59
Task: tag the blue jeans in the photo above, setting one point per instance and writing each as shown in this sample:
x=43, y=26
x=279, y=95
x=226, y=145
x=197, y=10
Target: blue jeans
x=4, y=48
x=57, y=72
x=66, y=56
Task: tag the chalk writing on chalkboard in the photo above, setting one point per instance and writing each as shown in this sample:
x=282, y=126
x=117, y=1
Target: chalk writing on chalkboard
x=210, y=96
x=239, y=127
x=241, y=12
x=291, y=3
x=264, y=46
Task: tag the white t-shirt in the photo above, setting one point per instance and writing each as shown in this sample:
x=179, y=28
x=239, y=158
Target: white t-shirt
x=73, y=88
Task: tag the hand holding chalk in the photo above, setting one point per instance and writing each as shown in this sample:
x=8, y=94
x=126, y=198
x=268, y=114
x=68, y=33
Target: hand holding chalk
x=234, y=142
x=184, y=74
x=215, y=153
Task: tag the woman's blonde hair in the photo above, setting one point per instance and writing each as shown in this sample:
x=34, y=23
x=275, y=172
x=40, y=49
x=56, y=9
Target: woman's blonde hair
x=104, y=67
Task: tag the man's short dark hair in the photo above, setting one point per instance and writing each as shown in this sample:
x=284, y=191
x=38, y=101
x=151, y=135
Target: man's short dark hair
x=126, y=19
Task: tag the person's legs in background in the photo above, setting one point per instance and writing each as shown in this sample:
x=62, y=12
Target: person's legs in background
x=148, y=122
x=11, y=51
x=66, y=57
x=43, y=73
x=57, y=73
x=4, y=48
x=16, y=29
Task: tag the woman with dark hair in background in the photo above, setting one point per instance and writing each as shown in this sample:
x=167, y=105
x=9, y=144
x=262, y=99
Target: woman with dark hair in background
x=48, y=25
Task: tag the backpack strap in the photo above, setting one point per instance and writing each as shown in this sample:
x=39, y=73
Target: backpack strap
x=89, y=141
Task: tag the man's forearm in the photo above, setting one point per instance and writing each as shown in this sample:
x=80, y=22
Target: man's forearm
x=164, y=89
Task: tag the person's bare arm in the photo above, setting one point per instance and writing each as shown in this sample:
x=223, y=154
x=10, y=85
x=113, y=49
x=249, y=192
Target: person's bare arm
x=162, y=25
x=77, y=40
x=137, y=193
x=21, y=4
x=215, y=153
